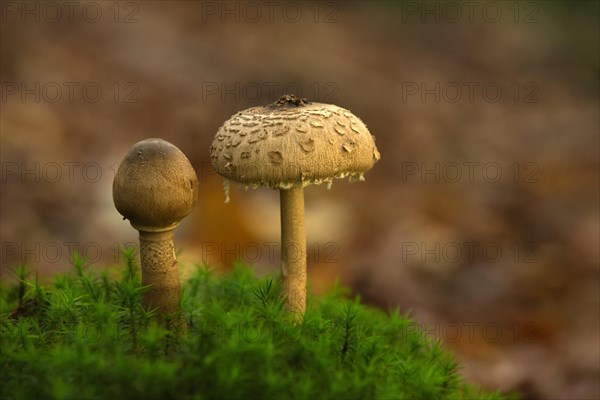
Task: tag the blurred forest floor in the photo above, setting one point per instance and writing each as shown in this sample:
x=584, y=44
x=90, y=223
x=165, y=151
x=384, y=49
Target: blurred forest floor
x=481, y=218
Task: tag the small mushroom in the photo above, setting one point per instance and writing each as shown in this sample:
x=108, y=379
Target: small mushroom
x=155, y=187
x=312, y=151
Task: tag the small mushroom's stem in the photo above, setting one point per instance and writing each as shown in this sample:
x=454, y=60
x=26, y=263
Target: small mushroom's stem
x=293, y=250
x=160, y=273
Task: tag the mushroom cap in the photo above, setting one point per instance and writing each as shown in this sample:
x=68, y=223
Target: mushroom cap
x=292, y=142
x=155, y=185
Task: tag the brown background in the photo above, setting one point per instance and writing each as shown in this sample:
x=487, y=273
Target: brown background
x=518, y=304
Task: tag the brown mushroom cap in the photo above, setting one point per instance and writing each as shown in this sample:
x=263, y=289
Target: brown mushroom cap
x=292, y=142
x=155, y=186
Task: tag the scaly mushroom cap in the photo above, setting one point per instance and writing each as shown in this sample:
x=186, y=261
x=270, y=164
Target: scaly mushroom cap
x=155, y=186
x=293, y=142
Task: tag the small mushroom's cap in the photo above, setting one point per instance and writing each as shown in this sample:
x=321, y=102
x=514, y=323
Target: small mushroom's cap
x=292, y=142
x=155, y=186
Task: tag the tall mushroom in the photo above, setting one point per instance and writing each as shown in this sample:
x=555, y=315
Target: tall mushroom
x=286, y=146
x=155, y=187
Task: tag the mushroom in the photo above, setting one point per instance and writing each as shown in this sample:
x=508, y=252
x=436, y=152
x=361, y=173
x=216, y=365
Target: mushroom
x=286, y=146
x=155, y=187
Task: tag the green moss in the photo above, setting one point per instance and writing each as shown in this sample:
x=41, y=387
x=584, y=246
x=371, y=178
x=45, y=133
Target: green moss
x=85, y=336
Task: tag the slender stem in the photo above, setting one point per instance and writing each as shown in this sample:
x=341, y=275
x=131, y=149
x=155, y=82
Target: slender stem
x=159, y=271
x=293, y=250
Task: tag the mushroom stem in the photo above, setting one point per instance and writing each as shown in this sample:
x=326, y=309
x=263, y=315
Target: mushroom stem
x=293, y=250
x=160, y=274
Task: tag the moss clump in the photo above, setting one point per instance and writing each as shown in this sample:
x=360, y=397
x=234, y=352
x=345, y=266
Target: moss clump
x=86, y=336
